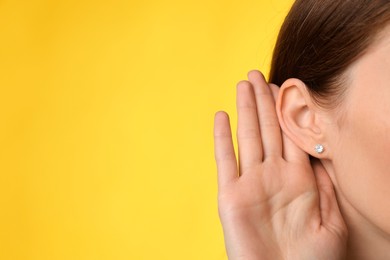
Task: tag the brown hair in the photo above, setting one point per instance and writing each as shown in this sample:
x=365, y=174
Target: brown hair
x=319, y=39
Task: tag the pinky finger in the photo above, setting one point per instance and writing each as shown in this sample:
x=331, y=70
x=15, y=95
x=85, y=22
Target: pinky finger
x=224, y=149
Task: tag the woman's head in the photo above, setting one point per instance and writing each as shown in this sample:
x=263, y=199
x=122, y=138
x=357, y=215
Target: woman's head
x=319, y=39
x=332, y=63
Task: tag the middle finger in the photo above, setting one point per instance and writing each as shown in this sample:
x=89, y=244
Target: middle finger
x=269, y=123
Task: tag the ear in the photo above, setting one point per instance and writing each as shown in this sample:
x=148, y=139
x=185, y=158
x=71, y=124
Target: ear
x=300, y=118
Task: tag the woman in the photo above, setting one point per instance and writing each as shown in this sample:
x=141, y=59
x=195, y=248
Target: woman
x=313, y=144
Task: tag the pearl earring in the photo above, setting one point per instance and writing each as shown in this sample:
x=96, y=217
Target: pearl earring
x=319, y=148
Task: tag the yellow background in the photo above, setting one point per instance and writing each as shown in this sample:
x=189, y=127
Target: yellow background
x=106, y=122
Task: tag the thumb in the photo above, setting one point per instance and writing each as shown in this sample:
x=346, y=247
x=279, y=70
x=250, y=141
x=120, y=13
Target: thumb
x=331, y=217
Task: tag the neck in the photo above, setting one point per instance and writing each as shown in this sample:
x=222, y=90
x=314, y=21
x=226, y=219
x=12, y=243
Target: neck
x=365, y=241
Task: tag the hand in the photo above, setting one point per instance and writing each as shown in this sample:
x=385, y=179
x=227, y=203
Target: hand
x=276, y=204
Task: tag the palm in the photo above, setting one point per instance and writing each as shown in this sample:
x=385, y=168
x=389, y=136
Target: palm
x=277, y=208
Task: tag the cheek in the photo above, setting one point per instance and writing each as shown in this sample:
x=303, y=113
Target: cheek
x=362, y=163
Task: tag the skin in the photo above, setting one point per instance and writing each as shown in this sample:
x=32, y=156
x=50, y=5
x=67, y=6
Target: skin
x=358, y=163
x=276, y=203
x=272, y=205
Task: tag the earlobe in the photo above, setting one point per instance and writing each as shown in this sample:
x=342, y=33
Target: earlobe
x=298, y=117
